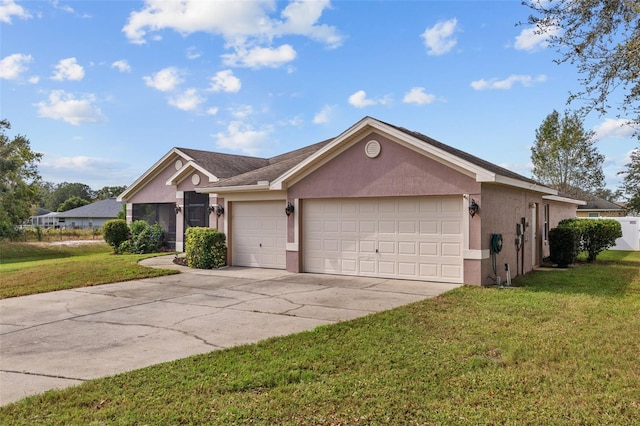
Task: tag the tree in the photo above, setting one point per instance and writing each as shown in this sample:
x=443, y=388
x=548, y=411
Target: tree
x=565, y=156
x=65, y=190
x=72, y=203
x=18, y=179
x=602, y=38
x=631, y=182
x=109, y=192
x=608, y=194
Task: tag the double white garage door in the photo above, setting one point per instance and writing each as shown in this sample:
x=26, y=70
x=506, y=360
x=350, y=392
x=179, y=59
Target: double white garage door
x=411, y=238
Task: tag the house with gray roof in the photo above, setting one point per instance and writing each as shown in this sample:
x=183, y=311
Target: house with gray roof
x=377, y=200
x=599, y=207
x=91, y=216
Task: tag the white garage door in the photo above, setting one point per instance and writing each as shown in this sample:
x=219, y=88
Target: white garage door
x=259, y=234
x=410, y=238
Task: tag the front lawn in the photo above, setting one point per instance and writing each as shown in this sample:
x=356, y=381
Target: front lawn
x=561, y=349
x=28, y=268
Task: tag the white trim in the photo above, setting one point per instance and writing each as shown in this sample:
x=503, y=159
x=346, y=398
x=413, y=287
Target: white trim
x=525, y=185
x=179, y=195
x=564, y=199
x=295, y=245
x=476, y=254
x=185, y=171
x=152, y=172
x=332, y=149
x=240, y=188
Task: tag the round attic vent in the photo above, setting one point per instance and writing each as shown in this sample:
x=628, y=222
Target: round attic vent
x=372, y=149
x=178, y=164
x=195, y=179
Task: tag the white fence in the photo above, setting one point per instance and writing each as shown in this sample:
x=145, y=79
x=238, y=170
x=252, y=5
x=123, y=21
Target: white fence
x=630, y=233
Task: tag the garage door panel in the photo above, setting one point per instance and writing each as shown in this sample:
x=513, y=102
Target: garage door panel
x=412, y=238
x=259, y=234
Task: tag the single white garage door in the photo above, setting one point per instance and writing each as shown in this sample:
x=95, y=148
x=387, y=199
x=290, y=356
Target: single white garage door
x=411, y=238
x=259, y=234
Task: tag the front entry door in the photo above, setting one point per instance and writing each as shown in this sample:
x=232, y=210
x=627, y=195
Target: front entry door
x=196, y=211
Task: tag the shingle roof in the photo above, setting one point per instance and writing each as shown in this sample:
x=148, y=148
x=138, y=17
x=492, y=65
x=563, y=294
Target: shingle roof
x=466, y=156
x=224, y=165
x=108, y=208
x=276, y=166
x=596, y=203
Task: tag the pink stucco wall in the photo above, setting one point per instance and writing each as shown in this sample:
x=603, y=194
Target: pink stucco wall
x=156, y=191
x=501, y=209
x=397, y=171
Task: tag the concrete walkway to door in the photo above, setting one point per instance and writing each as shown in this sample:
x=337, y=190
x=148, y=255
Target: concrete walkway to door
x=59, y=339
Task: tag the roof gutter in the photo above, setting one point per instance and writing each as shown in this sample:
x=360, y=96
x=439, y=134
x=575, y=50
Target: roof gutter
x=260, y=186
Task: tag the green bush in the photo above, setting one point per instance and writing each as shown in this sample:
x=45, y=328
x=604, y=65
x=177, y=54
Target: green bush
x=147, y=240
x=205, y=248
x=115, y=232
x=596, y=235
x=564, y=244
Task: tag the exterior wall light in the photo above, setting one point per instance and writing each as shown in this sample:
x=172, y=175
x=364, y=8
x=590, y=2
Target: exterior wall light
x=216, y=208
x=289, y=209
x=473, y=208
x=177, y=209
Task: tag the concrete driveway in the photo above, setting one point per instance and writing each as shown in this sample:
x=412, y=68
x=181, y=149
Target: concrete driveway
x=62, y=338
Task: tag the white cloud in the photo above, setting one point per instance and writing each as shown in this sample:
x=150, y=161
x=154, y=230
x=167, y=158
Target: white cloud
x=189, y=100
x=507, y=83
x=531, y=39
x=193, y=53
x=9, y=9
x=248, y=27
x=164, y=80
x=212, y=111
x=324, y=116
x=13, y=65
x=440, y=39
x=225, y=81
x=417, y=95
x=615, y=129
x=241, y=112
x=122, y=65
x=65, y=106
x=80, y=162
x=360, y=100
x=259, y=57
x=68, y=69
x=301, y=18
x=243, y=138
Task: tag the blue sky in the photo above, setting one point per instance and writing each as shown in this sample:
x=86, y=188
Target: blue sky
x=105, y=88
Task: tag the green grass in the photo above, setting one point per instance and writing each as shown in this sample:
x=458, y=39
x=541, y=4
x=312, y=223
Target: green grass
x=560, y=349
x=28, y=268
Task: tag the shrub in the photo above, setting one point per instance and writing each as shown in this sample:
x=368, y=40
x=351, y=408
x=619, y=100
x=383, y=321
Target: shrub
x=564, y=244
x=148, y=240
x=206, y=248
x=115, y=232
x=596, y=235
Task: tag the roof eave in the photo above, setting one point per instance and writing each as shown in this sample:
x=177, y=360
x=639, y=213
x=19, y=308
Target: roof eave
x=181, y=174
x=240, y=188
x=564, y=199
x=525, y=185
x=150, y=174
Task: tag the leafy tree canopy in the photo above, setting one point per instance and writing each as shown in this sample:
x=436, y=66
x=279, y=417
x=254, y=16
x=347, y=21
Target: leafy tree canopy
x=72, y=203
x=64, y=191
x=631, y=182
x=18, y=179
x=109, y=192
x=602, y=38
x=565, y=156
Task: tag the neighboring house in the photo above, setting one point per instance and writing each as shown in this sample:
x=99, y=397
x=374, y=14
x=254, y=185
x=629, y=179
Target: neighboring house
x=598, y=207
x=91, y=216
x=377, y=200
